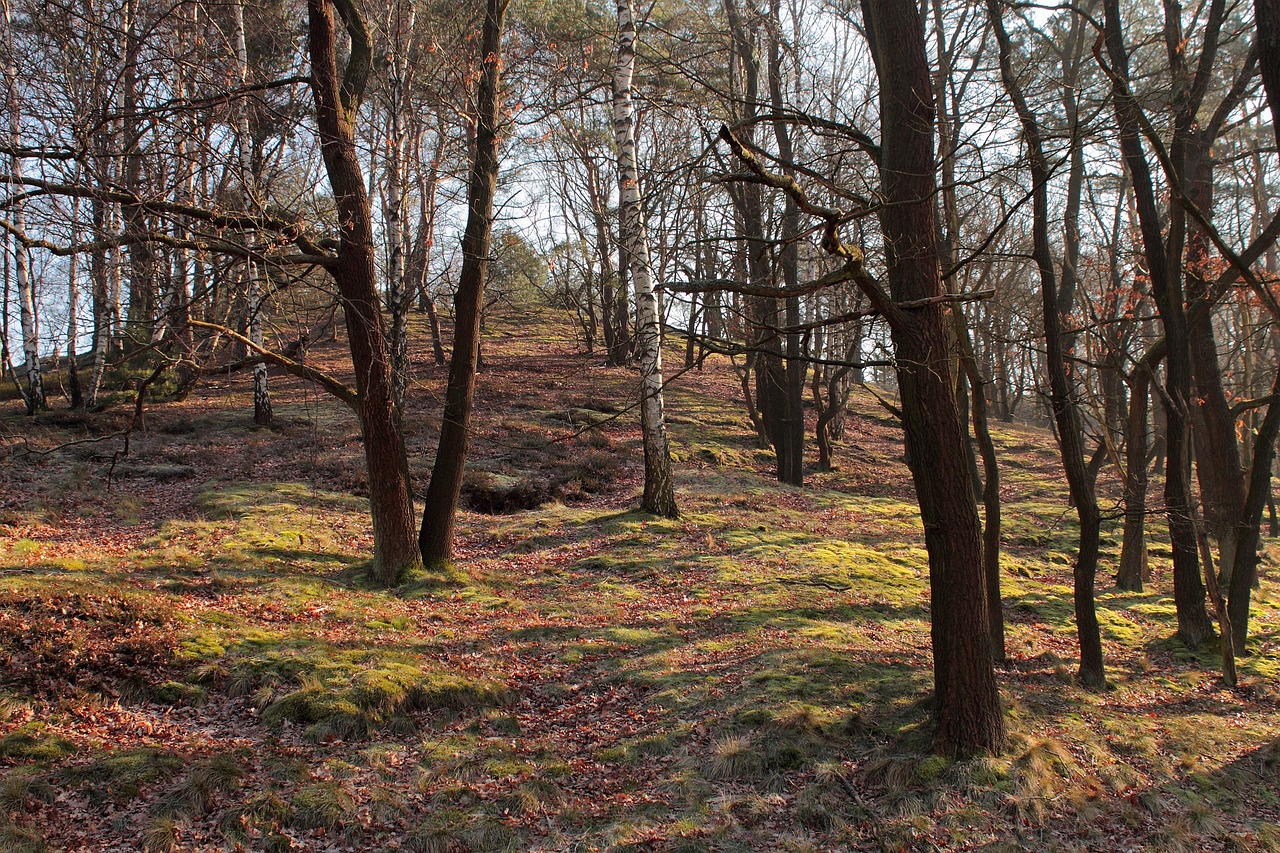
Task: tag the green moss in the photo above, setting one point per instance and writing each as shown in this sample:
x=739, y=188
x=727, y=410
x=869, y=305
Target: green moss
x=205, y=645
x=349, y=705
x=931, y=768
x=122, y=776
x=180, y=693
x=321, y=805
x=33, y=742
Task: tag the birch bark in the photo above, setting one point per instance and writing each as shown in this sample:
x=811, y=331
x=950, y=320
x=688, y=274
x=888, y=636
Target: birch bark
x=33, y=394
x=261, y=390
x=659, y=493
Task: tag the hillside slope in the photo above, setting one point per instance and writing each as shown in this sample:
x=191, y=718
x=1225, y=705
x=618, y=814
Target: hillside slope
x=194, y=663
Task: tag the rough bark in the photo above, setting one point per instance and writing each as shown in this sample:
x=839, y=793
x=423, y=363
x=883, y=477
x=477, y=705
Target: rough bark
x=968, y=702
x=789, y=436
x=1164, y=267
x=1267, y=18
x=1133, y=546
x=1066, y=413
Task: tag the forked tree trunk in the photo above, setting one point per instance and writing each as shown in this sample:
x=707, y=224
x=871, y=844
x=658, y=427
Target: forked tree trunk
x=337, y=101
x=441, y=503
x=659, y=489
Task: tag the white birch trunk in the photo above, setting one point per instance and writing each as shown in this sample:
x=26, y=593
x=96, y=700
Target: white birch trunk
x=261, y=392
x=400, y=27
x=659, y=494
x=34, y=392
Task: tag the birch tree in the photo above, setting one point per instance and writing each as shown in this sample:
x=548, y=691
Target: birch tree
x=33, y=394
x=261, y=392
x=659, y=492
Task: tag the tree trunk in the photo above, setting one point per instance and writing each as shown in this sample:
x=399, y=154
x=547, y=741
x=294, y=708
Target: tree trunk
x=1164, y=267
x=441, y=503
x=968, y=701
x=1065, y=411
x=337, y=102
x=420, y=255
x=33, y=393
x=659, y=490
x=262, y=413
x=1133, y=547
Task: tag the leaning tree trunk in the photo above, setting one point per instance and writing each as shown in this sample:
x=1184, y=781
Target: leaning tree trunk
x=659, y=491
x=441, y=503
x=337, y=101
x=1065, y=411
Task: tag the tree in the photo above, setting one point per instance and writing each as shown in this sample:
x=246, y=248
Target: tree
x=659, y=492
x=441, y=503
x=1165, y=269
x=261, y=392
x=33, y=394
x=968, y=714
x=1054, y=299
x=968, y=702
x=337, y=101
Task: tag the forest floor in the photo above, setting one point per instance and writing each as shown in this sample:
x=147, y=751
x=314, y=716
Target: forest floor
x=192, y=662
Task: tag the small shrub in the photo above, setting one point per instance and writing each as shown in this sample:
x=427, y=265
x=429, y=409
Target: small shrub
x=20, y=839
x=733, y=758
x=160, y=834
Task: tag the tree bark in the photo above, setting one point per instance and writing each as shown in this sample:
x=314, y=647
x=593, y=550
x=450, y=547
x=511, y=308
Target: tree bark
x=968, y=701
x=337, y=101
x=441, y=502
x=659, y=489
x=1133, y=546
x=33, y=393
x=1065, y=410
x=262, y=413
x=1164, y=267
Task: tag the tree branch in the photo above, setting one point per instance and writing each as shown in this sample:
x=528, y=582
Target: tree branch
x=302, y=371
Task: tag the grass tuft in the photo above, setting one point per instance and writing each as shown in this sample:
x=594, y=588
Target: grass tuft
x=322, y=805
